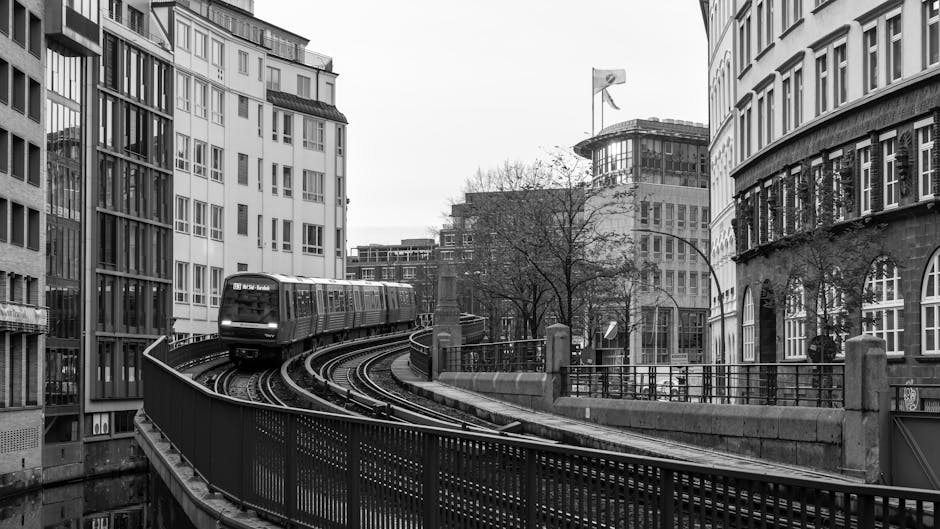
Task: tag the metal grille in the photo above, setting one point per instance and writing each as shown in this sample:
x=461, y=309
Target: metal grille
x=517, y=356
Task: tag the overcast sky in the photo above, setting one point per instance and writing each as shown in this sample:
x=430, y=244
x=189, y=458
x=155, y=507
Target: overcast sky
x=434, y=89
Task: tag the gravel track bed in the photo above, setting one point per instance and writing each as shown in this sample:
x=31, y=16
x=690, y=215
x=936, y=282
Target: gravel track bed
x=381, y=374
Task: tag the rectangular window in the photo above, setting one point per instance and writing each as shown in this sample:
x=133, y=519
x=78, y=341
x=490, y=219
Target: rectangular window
x=275, y=125
x=408, y=272
x=870, y=64
x=288, y=128
x=218, y=221
x=201, y=40
x=274, y=234
x=925, y=145
x=669, y=254
x=644, y=213
x=314, y=134
x=287, y=229
x=760, y=122
x=340, y=190
x=243, y=219
x=368, y=274
x=931, y=19
x=218, y=106
x=182, y=152
x=243, y=62
x=218, y=163
x=680, y=217
x=199, y=218
x=313, y=239
x=242, y=107
x=787, y=104
x=181, y=283
x=339, y=244
x=183, y=87
x=199, y=158
x=840, y=66
x=894, y=63
x=890, y=174
x=260, y=231
x=182, y=35
x=215, y=285
x=340, y=139
x=822, y=83
x=260, y=121
x=242, y=168
x=864, y=156
x=218, y=55
x=303, y=86
x=274, y=79
x=313, y=184
x=288, y=181
x=201, y=99
x=769, y=121
x=274, y=178
x=199, y=284
x=797, y=97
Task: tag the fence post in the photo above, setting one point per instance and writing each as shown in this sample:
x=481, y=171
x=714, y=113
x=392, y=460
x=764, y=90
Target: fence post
x=866, y=380
x=557, y=354
x=667, y=500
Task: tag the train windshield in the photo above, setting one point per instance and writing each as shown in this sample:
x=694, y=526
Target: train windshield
x=249, y=300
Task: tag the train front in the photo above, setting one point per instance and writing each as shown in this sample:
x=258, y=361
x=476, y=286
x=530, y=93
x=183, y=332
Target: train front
x=249, y=317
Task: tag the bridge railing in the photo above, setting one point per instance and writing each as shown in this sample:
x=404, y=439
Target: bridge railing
x=471, y=329
x=792, y=384
x=508, y=357
x=316, y=469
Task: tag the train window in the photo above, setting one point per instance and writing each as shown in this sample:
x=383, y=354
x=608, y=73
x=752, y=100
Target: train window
x=288, y=301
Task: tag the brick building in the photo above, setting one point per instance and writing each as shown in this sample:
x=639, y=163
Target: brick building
x=827, y=105
x=23, y=315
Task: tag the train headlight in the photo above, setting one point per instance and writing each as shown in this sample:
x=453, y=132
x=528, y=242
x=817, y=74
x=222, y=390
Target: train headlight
x=272, y=325
x=226, y=322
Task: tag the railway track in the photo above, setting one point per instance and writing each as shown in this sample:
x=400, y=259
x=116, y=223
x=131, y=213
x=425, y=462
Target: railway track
x=248, y=384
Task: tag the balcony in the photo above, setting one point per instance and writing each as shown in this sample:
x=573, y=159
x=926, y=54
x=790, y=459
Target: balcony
x=18, y=317
x=72, y=29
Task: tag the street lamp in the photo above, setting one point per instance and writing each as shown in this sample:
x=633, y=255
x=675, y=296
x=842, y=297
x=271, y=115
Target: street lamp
x=721, y=297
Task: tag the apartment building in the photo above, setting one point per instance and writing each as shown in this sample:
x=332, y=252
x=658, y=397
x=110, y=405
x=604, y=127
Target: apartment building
x=719, y=18
x=835, y=116
x=23, y=315
x=665, y=165
x=259, y=167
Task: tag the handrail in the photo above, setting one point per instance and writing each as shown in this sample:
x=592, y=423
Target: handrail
x=317, y=468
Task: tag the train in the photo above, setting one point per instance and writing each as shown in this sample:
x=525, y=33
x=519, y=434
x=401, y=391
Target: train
x=265, y=318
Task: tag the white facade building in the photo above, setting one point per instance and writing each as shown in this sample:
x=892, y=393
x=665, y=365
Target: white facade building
x=722, y=90
x=259, y=157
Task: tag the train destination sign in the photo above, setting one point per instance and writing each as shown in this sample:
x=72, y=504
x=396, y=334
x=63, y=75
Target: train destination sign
x=252, y=286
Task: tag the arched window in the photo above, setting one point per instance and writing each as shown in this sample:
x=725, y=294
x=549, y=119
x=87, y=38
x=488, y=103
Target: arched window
x=883, y=305
x=930, y=305
x=830, y=311
x=747, y=327
x=794, y=323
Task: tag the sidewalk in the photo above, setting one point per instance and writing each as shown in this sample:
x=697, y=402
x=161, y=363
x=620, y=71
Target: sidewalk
x=590, y=435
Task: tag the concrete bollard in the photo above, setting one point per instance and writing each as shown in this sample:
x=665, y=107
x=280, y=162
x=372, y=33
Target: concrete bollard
x=866, y=384
x=557, y=354
x=439, y=355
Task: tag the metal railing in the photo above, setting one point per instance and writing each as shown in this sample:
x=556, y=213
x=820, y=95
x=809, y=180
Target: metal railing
x=316, y=469
x=471, y=328
x=792, y=384
x=508, y=357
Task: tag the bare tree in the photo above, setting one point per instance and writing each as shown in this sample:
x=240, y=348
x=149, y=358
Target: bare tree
x=547, y=223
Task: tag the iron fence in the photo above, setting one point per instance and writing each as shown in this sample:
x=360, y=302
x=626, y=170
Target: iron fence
x=791, y=384
x=420, y=354
x=510, y=357
x=315, y=469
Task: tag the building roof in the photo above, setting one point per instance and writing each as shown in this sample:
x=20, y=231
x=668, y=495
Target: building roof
x=306, y=106
x=652, y=126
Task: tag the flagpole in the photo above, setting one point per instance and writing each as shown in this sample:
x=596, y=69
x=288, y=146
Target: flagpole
x=592, y=102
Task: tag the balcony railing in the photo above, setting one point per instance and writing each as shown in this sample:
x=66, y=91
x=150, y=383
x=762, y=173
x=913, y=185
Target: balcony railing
x=814, y=385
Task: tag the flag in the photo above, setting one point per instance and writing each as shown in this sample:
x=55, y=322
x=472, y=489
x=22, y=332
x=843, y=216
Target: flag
x=609, y=100
x=605, y=78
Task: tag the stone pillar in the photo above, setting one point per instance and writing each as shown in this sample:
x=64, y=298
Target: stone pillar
x=866, y=388
x=439, y=362
x=446, y=318
x=557, y=354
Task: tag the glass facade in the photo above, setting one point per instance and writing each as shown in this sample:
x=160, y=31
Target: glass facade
x=133, y=183
x=64, y=175
x=634, y=159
